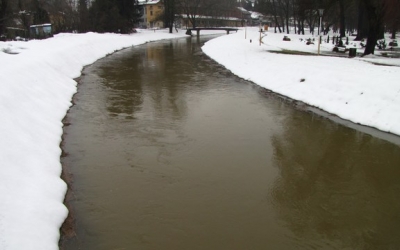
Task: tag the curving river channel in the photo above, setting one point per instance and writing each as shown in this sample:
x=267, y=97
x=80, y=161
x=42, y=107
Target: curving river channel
x=170, y=151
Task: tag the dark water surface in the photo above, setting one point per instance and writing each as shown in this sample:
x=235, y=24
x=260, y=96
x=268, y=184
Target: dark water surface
x=169, y=151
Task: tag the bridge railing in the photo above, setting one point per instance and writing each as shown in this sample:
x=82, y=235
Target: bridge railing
x=189, y=30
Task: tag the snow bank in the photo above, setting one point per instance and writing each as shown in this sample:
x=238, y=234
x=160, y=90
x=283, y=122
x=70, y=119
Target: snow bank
x=36, y=87
x=353, y=89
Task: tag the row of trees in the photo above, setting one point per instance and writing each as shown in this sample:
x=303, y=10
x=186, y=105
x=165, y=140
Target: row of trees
x=339, y=15
x=102, y=15
x=70, y=15
x=108, y=15
x=368, y=18
x=193, y=8
x=23, y=13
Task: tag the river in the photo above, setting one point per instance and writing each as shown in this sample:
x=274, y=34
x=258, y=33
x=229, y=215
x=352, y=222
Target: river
x=168, y=150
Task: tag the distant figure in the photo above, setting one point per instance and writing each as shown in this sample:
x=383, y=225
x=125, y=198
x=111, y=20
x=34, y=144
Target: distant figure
x=340, y=43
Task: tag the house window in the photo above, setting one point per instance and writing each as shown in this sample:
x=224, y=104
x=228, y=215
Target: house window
x=151, y=13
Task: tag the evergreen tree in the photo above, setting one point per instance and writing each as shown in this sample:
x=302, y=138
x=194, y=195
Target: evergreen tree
x=117, y=16
x=362, y=26
x=40, y=15
x=169, y=14
x=3, y=15
x=83, y=16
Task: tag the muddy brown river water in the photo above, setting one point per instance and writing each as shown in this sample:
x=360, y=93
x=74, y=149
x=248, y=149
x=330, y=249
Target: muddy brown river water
x=170, y=151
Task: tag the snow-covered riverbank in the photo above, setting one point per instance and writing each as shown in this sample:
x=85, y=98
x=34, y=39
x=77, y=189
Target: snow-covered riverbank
x=36, y=87
x=354, y=89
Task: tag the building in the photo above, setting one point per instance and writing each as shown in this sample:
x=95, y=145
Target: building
x=243, y=14
x=40, y=31
x=210, y=21
x=152, y=14
x=152, y=17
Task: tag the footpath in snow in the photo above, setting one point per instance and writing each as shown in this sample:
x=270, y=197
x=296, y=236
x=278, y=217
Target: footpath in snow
x=36, y=88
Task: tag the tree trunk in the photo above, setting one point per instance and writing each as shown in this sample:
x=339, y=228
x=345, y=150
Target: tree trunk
x=375, y=12
x=83, y=16
x=392, y=17
x=394, y=30
x=342, y=19
x=169, y=14
x=371, y=39
x=3, y=15
x=362, y=26
x=276, y=17
x=287, y=25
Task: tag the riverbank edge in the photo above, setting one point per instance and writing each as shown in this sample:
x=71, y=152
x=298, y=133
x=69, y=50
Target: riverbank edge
x=245, y=54
x=306, y=107
x=67, y=230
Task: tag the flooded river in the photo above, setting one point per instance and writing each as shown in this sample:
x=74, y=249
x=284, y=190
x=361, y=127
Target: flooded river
x=169, y=151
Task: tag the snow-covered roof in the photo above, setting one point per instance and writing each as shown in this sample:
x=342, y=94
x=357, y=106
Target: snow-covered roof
x=212, y=17
x=145, y=2
x=243, y=10
x=256, y=15
x=40, y=25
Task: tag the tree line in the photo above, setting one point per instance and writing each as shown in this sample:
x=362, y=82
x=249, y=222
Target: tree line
x=70, y=15
x=23, y=13
x=368, y=18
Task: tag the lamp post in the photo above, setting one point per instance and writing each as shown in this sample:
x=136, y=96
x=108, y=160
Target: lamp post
x=260, y=19
x=245, y=29
x=320, y=13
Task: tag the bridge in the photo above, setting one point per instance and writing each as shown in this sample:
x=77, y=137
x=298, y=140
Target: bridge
x=189, y=31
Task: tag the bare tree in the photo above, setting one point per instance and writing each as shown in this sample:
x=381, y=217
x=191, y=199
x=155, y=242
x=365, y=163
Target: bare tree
x=194, y=8
x=276, y=14
x=285, y=11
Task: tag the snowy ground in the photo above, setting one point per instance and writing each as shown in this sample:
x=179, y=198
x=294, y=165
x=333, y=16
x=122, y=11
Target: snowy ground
x=355, y=89
x=36, y=87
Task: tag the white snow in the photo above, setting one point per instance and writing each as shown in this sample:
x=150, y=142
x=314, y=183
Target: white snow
x=36, y=87
x=351, y=88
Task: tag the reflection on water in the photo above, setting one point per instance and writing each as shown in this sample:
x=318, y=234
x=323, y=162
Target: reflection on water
x=170, y=151
x=337, y=185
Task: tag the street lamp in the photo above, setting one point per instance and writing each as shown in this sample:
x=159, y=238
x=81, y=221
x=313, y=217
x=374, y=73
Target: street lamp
x=261, y=30
x=320, y=13
x=245, y=29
